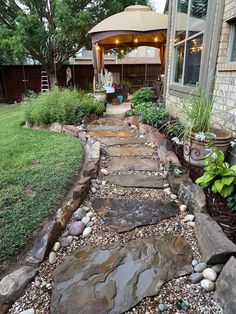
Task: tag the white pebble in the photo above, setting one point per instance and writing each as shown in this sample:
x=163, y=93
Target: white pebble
x=188, y=218
x=29, y=311
x=93, y=189
x=87, y=231
x=86, y=220
x=183, y=208
x=141, y=136
x=104, y=183
x=52, y=258
x=167, y=191
x=56, y=246
x=209, y=274
x=173, y=196
x=89, y=214
x=207, y=285
x=104, y=171
x=191, y=223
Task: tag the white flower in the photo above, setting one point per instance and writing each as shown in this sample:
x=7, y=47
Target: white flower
x=200, y=136
x=233, y=143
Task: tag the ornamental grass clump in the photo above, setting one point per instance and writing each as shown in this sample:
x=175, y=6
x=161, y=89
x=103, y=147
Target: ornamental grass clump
x=198, y=111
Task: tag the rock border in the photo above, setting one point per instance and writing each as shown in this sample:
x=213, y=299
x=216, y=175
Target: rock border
x=51, y=231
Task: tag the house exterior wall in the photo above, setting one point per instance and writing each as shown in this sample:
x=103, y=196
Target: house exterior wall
x=225, y=81
x=224, y=74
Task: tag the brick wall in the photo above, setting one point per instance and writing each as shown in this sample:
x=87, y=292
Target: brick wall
x=225, y=81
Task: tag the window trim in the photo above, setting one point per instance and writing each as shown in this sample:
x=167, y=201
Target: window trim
x=210, y=52
x=232, y=38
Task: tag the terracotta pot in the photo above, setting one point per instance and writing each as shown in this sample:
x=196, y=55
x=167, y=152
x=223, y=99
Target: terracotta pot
x=195, y=151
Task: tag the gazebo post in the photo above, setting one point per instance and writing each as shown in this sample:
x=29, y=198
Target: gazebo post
x=95, y=65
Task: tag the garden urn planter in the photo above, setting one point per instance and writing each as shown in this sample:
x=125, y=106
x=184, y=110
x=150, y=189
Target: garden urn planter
x=195, y=151
x=100, y=95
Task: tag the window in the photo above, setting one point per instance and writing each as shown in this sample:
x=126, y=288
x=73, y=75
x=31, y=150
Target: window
x=232, y=46
x=190, y=24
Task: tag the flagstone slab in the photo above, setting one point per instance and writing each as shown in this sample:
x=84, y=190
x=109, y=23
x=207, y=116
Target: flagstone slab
x=112, y=279
x=137, y=180
x=122, y=141
x=130, y=151
x=124, y=215
x=117, y=134
x=135, y=164
x=105, y=128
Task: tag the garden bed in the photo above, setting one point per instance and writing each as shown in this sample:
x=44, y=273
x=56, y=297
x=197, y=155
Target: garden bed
x=216, y=205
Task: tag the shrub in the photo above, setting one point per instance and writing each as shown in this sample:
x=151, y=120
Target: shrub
x=65, y=106
x=218, y=174
x=143, y=95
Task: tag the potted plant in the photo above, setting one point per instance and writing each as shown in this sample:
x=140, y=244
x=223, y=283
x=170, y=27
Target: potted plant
x=198, y=111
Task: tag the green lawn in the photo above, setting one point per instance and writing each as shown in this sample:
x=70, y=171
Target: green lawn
x=36, y=168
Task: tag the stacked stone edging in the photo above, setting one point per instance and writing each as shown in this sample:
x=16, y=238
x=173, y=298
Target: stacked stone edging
x=51, y=231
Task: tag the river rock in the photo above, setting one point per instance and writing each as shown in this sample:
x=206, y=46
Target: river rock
x=225, y=293
x=12, y=285
x=113, y=279
x=52, y=258
x=207, y=285
x=200, y=267
x=86, y=232
x=214, y=245
x=29, y=311
x=79, y=213
x=86, y=220
x=104, y=171
x=217, y=268
x=56, y=246
x=76, y=228
x=64, y=242
x=188, y=218
x=183, y=208
x=194, y=262
x=210, y=274
x=196, y=277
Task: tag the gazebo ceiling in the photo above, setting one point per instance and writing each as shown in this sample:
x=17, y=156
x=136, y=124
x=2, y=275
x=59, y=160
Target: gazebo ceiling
x=137, y=25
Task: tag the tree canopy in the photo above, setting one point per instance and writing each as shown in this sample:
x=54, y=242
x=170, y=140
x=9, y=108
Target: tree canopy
x=51, y=31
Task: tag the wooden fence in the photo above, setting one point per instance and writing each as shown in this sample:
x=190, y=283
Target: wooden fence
x=17, y=80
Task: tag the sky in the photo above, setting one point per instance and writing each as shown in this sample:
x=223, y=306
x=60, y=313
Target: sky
x=159, y=5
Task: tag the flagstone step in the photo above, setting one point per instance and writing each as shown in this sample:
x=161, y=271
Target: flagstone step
x=137, y=180
x=102, y=133
x=123, y=141
x=124, y=215
x=105, y=128
x=114, y=278
x=135, y=164
x=130, y=151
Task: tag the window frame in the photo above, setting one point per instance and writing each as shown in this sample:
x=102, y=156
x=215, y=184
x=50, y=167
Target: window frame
x=232, y=39
x=211, y=41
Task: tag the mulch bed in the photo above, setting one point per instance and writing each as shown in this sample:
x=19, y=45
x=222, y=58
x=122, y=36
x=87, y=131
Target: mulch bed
x=216, y=205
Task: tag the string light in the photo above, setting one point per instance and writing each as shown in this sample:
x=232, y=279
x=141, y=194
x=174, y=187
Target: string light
x=117, y=41
x=136, y=40
x=155, y=39
x=97, y=47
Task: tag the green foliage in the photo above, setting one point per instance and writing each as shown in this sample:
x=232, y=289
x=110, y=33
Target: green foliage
x=36, y=169
x=143, y=95
x=198, y=110
x=218, y=174
x=175, y=129
x=231, y=202
x=64, y=106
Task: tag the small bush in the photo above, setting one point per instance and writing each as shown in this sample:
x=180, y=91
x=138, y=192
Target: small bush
x=64, y=106
x=143, y=95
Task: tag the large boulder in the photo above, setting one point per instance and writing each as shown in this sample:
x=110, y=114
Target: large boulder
x=225, y=293
x=214, y=245
x=12, y=285
x=113, y=279
x=192, y=196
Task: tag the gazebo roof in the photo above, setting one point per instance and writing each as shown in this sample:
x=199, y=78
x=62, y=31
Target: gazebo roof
x=136, y=25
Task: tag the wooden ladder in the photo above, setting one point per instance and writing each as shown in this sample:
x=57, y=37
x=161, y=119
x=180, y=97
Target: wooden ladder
x=44, y=81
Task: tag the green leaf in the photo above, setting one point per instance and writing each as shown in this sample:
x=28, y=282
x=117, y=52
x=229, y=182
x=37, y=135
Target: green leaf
x=227, y=180
x=218, y=185
x=226, y=172
x=205, y=180
x=227, y=190
x=213, y=188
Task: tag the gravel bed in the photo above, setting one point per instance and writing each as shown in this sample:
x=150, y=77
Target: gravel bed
x=37, y=295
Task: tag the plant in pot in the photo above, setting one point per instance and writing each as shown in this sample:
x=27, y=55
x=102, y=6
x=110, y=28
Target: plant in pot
x=198, y=112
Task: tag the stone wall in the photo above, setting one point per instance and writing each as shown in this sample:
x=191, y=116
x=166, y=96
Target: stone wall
x=225, y=82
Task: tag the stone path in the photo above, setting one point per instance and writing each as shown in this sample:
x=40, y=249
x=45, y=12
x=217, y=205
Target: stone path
x=133, y=244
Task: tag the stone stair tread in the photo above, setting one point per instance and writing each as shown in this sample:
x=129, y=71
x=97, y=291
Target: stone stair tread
x=124, y=215
x=135, y=164
x=123, y=141
x=105, y=128
x=102, y=133
x=136, y=180
x=130, y=151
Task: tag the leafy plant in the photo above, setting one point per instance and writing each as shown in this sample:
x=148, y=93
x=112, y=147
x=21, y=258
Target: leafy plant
x=198, y=110
x=175, y=129
x=231, y=202
x=143, y=95
x=218, y=174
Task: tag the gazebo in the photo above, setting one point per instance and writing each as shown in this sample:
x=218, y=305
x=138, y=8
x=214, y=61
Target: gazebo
x=136, y=26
